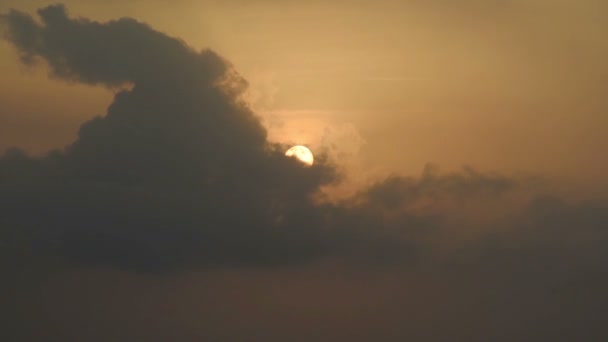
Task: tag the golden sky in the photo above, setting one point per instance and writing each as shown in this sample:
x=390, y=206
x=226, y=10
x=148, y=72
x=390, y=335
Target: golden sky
x=513, y=86
x=171, y=216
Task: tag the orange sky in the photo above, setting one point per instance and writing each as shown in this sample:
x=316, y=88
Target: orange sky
x=514, y=86
x=174, y=218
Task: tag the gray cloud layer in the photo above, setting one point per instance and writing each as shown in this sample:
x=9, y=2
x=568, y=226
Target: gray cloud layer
x=178, y=174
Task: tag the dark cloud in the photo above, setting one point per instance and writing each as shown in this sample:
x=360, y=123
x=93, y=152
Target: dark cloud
x=178, y=174
x=179, y=171
x=178, y=168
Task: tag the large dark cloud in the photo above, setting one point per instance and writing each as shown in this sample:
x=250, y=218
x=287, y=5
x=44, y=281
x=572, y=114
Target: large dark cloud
x=178, y=169
x=178, y=172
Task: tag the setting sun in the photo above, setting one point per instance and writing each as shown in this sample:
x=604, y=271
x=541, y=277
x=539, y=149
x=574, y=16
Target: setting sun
x=302, y=153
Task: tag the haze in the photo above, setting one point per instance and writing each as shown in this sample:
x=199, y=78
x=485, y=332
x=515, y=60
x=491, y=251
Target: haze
x=459, y=189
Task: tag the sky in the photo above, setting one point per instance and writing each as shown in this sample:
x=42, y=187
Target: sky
x=459, y=189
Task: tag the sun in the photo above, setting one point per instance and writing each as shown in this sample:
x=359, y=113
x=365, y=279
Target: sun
x=302, y=153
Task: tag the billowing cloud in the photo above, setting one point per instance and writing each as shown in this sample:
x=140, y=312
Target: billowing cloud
x=177, y=169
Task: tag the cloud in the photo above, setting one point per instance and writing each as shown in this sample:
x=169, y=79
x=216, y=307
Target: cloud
x=178, y=168
x=179, y=172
